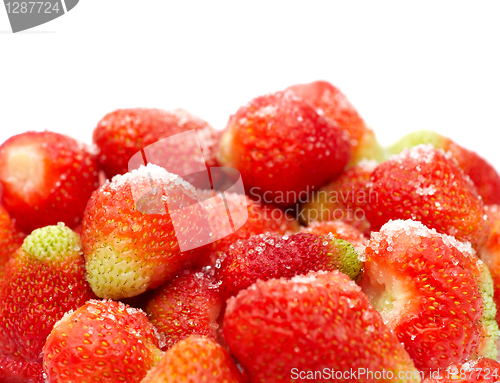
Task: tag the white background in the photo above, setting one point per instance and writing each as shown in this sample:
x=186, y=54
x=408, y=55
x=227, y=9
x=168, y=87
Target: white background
x=433, y=65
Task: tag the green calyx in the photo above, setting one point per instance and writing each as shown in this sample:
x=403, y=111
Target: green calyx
x=344, y=257
x=54, y=243
x=418, y=137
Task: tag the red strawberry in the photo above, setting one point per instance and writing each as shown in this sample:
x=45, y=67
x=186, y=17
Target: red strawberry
x=284, y=330
x=344, y=199
x=426, y=185
x=101, y=341
x=338, y=229
x=330, y=102
x=134, y=229
x=123, y=133
x=44, y=279
x=433, y=293
x=274, y=256
x=283, y=148
x=195, y=359
x=47, y=178
x=483, y=175
x=474, y=371
x=11, y=238
x=13, y=371
x=189, y=304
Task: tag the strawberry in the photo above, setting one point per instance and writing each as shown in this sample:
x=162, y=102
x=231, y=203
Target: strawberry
x=189, y=304
x=425, y=184
x=134, y=228
x=331, y=103
x=275, y=256
x=13, y=371
x=123, y=133
x=101, y=341
x=344, y=199
x=11, y=238
x=47, y=178
x=310, y=326
x=338, y=229
x=44, y=279
x=433, y=293
x=283, y=148
x=195, y=359
x=483, y=175
x=474, y=371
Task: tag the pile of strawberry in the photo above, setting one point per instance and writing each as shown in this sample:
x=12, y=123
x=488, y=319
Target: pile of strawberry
x=343, y=261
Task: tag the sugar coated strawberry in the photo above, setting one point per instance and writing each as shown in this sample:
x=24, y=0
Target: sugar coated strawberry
x=275, y=256
x=483, y=174
x=345, y=199
x=47, y=178
x=282, y=330
x=425, y=184
x=473, y=371
x=331, y=103
x=14, y=371
x=283, y=148
x=123, y=133
x=11, y=238
x=101, y=341
x=338, y=229
x=44, y=279
x=195, y=359
x=189, y=304
x=433, y=293
x=134, y=229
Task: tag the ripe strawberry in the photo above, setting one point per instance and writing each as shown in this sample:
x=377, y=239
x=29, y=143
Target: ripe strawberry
x=274, y=256
x=331, y=103
x=425, y=184
x=344, y=199
x=134, y=228
x=283, y=148
x=101, y=341
x=321, y=322
x=47, y=178
x=433, y=293
x=11, y=238
x=338, y=229
x=474, y=371
x=483, y=175
x=189, y=304
x=195, y=359
x=44, y=279
x=123, y=133
x=12, y=371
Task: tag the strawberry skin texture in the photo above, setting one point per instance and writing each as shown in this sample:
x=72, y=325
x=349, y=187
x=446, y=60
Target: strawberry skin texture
x=428, y=288
x=195, y=359
x=275, y=256
x=122, y=133
x=338, y=229
x=189, y=304
x=47, y=178
x=483, y=175
x=101, y=341
x=331, y=103
x=128, y=251
x=12, y=371
x=44, y=279
x=309, y=323
x=283, y=148
x=426, y=185
x=11, y=238
x=344, y=199
x=474, y=371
